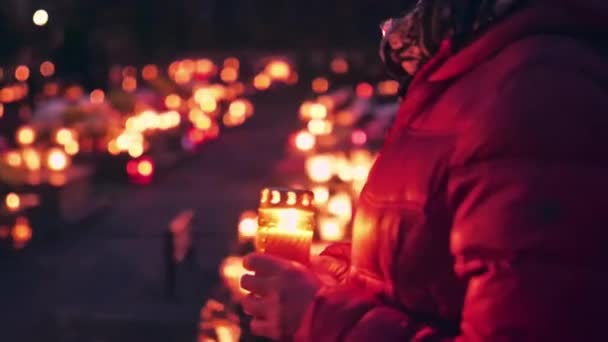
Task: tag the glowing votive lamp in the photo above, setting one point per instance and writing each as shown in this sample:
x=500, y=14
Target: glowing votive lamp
x=286, y=220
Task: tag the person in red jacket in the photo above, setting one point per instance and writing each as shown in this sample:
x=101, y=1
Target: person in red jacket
x=485, y=217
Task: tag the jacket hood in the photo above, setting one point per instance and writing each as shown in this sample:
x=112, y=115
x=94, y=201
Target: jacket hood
x=569, y=17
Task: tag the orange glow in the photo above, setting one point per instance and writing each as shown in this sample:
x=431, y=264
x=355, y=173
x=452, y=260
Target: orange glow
x=364, y=90
x=196, y=135
x=113, y=148
x=74, y=93
x=22, y=73
x=345, y=118
x=327, y=101
x=331, y=230
x=232, y=271
x=145, y=168
x=388, y=88
x=126, y=139
x=262, y=82
x=248, y=225
x=136, y=150
x=173, y=101
x=205, y=66
x=72, y=148
x=12, y=202
x=320, y=127
x=195, y=114
x=32, y=159
x=26, y=135
x=318, y=111
x=129, y=84
x=172, y=70
x=288, y=236
x=232, y=62
x=319, y=168
x=321, y=194
x=1, y=110
x=202, y=122
x=238, y=88
x=57, y=160
x=343, y=169
x=51, y=89
x=208, y=105
x=207, y=99
x=97, y=96
x=305, y=141
x=218, y=91
x=341, y=206
x=339, y=65
x=229, y=75
x=7, y=95
x=13, y=158
x=188, y=65
x=170, y=119
x=149, y=72
x=47, y=69
x=241, y=108
x=64, y=136
x=182, y=76
x=278, y=70
x=305, y=110
x=22, y=232
x=233, y=121
x=320, y=85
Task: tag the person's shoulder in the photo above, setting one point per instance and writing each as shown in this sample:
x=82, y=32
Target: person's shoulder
x=562, y=51
x=551, y=96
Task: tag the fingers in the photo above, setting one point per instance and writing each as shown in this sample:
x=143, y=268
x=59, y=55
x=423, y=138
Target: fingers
x=256, y=306
x=257, y=285
x=264, y=264
x=264, y=328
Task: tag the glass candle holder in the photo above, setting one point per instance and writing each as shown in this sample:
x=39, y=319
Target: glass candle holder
x=286, y=220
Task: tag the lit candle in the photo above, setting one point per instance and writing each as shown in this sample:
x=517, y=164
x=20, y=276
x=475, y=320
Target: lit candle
x=286, y=224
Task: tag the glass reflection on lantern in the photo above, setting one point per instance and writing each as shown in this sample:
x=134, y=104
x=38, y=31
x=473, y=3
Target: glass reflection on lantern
x=286, y=220
x=248, y=225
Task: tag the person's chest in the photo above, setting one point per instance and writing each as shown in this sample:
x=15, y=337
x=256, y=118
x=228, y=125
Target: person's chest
x=401, y=231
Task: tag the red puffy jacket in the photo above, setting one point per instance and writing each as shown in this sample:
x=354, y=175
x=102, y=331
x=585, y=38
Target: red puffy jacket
x=485, y=218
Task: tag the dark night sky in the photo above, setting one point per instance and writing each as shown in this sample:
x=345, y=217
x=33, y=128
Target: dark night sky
x=155, y=27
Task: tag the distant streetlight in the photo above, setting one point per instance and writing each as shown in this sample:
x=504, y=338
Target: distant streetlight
x=41, y=17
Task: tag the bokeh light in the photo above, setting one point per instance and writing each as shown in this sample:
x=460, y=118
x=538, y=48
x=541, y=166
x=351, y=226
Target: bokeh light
x=40, y=17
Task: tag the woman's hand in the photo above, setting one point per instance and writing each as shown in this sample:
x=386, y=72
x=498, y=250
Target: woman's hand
x=281, y=292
